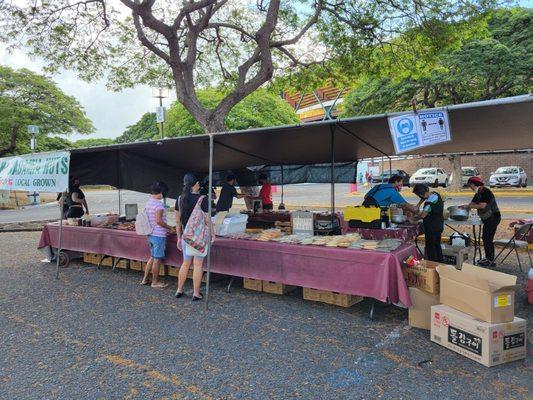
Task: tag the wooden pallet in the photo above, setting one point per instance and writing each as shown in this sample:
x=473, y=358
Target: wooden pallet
x=136, y=265
x=277, y=288
x=122, y=264
x=253, y=284
x=324, y=296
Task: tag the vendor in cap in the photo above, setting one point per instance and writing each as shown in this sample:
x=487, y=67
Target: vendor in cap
x=487, y=208
x=388, y=194
x=433, y=219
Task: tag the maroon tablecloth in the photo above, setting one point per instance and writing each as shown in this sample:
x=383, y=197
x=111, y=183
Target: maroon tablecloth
x=359, y=272
x=406, y=233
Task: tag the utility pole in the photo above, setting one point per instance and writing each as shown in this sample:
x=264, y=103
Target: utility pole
x=160, y=93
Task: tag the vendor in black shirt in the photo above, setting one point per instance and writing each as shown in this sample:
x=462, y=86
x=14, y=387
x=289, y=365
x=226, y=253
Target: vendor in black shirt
x=487, y=208
x=433, y=219
x=228, y=192
x=76, y=201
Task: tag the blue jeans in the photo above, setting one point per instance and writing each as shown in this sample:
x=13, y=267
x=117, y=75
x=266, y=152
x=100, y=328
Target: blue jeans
x=157, y=246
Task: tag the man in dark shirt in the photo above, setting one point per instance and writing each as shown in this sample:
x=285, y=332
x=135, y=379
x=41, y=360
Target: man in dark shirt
x=228, y=192
x=433, y=220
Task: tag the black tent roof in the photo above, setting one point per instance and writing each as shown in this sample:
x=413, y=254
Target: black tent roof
x=502, y=124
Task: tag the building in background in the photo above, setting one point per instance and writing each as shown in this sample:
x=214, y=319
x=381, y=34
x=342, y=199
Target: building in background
x=317, y=105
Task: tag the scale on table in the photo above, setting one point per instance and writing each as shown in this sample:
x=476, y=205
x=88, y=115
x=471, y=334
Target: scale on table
x=131, y=211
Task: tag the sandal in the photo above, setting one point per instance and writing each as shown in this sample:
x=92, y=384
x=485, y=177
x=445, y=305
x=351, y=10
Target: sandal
x=159, y=285
x=147, y=283
x=178, y=294
x=196, y=298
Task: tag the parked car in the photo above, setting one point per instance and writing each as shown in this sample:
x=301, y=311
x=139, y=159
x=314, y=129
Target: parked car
x=430, y=176
x=466, y=174
x=384, y=177
x=508, y=176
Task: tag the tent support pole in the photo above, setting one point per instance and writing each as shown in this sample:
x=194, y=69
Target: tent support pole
x=282, y=185
x=211, y=228
x=332, y=129
x=59, y=233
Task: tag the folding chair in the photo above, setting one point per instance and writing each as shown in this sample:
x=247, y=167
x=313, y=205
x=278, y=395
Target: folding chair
x=516, y=243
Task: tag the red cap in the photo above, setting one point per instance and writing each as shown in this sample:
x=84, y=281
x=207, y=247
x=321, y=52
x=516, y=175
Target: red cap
x=475, y=180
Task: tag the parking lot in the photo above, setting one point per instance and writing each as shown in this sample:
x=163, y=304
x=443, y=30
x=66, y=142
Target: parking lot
x=94, y=334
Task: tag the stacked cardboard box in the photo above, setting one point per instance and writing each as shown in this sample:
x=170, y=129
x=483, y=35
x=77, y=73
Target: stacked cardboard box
x=424, y=287
x=477, y=318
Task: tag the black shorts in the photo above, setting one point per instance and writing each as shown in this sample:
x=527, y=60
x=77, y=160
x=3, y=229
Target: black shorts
x=75, y=212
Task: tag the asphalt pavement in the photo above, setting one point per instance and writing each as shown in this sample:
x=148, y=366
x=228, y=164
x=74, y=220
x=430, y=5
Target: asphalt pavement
x=100, y=335
x=515, y=204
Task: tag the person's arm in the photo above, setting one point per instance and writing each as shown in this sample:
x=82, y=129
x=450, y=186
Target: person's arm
x=177, y=218
x=77, y=199
x=159, y=219
x=85, y=205
x=476, y=206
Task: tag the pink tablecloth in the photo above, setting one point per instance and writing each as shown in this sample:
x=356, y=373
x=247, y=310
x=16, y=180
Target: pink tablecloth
x=359, y=272
x=406, y=233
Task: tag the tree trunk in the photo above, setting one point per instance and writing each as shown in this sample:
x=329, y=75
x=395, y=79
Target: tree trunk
x=13, y=143
x=456, y=177
x=214, y=124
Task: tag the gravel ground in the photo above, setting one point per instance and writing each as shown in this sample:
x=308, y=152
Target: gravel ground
x=99, y=335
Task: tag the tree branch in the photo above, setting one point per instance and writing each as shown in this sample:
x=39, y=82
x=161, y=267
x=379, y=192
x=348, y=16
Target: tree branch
x=13, y=142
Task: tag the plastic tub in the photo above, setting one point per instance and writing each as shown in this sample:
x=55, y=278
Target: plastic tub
x=233, y=223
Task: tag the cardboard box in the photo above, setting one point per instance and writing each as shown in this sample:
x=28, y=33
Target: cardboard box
x=136, y=265
x=480, y=292
x=253, y=284
x=454, y=255
x=324, y=296
x=488, y=344
x=277, y=288
x=121, y=263
x=423, y=276
x=420, y=311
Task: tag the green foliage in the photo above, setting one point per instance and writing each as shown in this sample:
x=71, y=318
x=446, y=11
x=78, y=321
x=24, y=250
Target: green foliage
x=144, y=129
x=27, y=98
x=92, y=142
x=493, y=59
x=260, y=109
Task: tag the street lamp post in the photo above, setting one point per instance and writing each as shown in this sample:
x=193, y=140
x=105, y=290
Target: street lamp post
x=160, y=93
x=33, y=130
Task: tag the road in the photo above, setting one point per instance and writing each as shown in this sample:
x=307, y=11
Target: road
x=513, y=203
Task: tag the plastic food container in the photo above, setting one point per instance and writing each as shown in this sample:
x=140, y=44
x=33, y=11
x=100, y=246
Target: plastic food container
x=233, y=223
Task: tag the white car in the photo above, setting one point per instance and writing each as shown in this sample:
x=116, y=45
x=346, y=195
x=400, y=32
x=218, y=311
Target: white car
x=430, y=176
x=508, y=176
x=466, y=174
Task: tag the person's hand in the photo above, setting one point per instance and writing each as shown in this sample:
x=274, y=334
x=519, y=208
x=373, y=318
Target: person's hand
x=213, y=237
x=178, y=243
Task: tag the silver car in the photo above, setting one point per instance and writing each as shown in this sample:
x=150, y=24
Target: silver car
x=508, y=176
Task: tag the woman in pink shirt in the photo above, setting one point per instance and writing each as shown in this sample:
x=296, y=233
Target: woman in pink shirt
x=155, y=210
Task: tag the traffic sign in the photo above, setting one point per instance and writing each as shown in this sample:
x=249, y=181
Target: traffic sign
x=160, y=114
x=33, y=129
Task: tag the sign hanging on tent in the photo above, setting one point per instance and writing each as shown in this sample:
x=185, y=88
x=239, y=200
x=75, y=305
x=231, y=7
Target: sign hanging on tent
x=44, y=172
x=425, y=128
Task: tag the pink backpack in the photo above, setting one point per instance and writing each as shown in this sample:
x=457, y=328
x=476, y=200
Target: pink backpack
x=196, y=232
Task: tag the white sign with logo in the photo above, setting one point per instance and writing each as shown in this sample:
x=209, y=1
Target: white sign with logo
x=413, y=131
x=45, y=172
x=33, y=129
x=160, y=114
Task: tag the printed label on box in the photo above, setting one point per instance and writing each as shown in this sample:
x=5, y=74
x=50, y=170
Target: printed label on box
x=465, y=340
x=513, y=341
x=502, y=300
